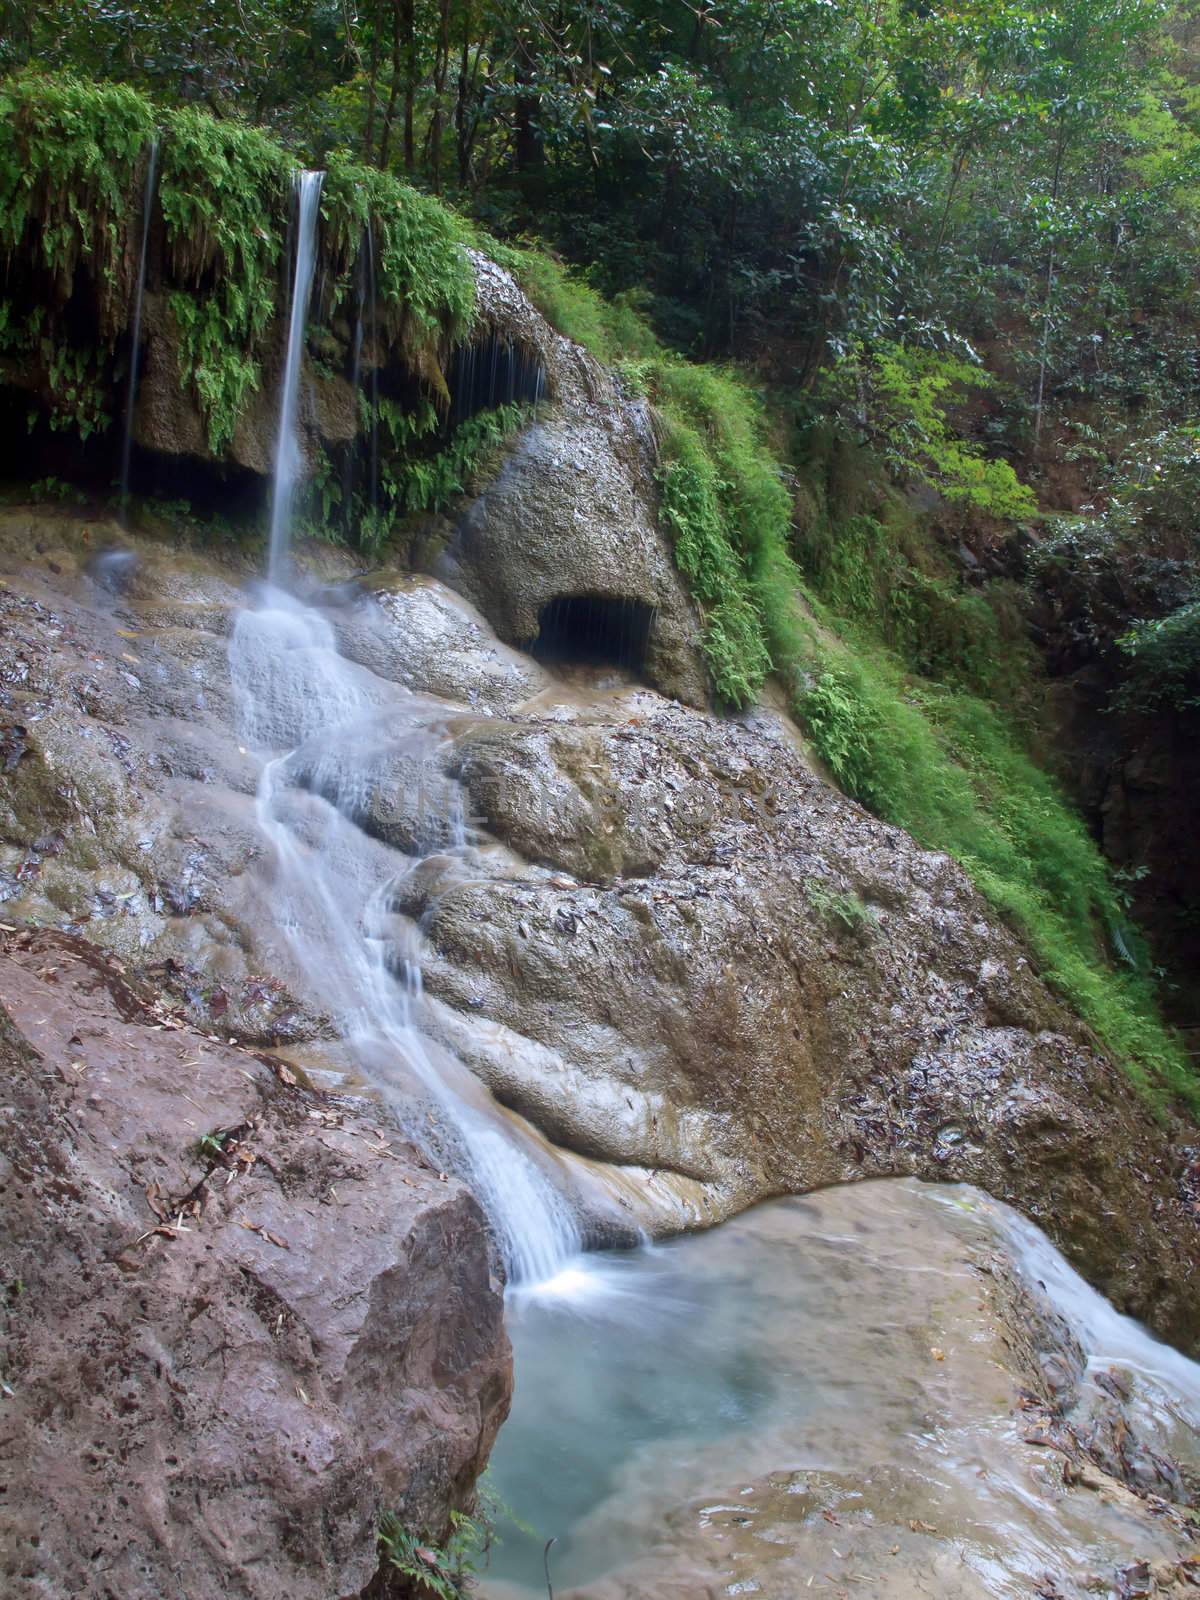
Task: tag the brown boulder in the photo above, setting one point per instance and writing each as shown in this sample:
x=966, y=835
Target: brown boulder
x=240, y=1321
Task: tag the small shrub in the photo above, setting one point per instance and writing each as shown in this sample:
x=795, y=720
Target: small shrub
x=441, y=1570
x=841, y=909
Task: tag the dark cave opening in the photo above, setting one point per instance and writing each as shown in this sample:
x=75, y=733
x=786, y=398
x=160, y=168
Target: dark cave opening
x=594, y=630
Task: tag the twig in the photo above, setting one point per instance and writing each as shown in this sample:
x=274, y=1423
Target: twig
x=546, y=1566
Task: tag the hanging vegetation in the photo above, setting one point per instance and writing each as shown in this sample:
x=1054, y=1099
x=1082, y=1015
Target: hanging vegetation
x=71, y=167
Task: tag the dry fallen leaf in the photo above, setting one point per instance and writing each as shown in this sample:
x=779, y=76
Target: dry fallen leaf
x=938, y=1355
x=264, y=1233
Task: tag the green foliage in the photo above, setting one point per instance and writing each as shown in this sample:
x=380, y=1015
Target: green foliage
x=69, y=154
x=886, y=571
x=78, y=394
x=424, y=281
x=420, y=470
x=692, y=505
x=842, y=909
x=429, y=483
x=897, y=398
x=67, y=164
x=1128, y=573
x=71, y=158
x=223, y=192
x=440, y=1570
x=945, y=767
x=1166, y=660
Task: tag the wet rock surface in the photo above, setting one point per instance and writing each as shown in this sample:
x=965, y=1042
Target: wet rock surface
x=571, y=512
x=239, y=1320
x=667, y=946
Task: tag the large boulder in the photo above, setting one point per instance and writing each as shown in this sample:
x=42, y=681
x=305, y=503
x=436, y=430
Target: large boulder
x=717, y=967
x=241, y=1321
x=569, y=517
x=572, y=513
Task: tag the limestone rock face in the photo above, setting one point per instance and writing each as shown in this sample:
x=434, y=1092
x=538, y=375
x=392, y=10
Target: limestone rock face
x=572, y=510
x=687, y=968
x=740, y=978
x=448, y=649
x=224, y=1358
x=571, y=513
x=169, y=420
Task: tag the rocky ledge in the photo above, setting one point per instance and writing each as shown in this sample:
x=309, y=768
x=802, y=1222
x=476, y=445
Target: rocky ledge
x=240, y=1320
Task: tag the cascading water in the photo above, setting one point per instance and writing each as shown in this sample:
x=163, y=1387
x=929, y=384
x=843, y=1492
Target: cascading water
x=373, y=313
x=325, y=740
x=327, y=731
x=136, y=351
x=288, y=463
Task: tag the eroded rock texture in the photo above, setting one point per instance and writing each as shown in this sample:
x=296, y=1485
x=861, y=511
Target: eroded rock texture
x=572, y=513
x=570, y=516
x=694, y=972
x=239, y=1320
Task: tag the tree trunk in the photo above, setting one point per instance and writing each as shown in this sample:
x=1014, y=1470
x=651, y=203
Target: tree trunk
x=373, y=92
x=408, y=13
x=389, y=115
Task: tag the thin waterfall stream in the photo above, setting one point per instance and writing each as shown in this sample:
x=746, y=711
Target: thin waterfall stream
x=288, y=461
x=135, y=353
x=323, y=739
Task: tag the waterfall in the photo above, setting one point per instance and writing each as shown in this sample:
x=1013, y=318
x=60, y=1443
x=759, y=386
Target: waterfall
x=373, y=313
x=325, y=733
x=324, y=730
x=288, y=462
x=135, y=354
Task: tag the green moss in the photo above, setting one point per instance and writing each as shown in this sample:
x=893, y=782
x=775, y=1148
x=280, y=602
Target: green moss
x=70, y=187
x=69, y=157
x=430, y=483
x=889, y=574
x=946, y=767
x=418, y=472
x=223, y=190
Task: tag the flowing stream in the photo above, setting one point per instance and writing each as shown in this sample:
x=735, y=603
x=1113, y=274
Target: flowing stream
x=816, y=1396
x=690, y=1419
x=288, y=461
